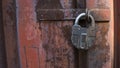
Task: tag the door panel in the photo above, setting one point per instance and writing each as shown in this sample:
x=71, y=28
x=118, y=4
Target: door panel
x=45, y=42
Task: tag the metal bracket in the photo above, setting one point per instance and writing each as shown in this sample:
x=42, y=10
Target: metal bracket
x=71, y=14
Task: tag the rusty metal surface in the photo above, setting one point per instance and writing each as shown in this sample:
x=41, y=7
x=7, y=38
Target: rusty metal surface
x=10, y=33
x=99, y=4
x=81, y=4
x=68, y=10
x=3, y=63
x=56, y=4
x=71, y=14
x=58, y=9
x=99, y=56
x=47, y=44
x=57, y=46
x=44, y=44
x=57, y=14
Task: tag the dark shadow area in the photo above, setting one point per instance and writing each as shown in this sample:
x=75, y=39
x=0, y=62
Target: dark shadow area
x=81, y=60
x=116, y=63
x=3, y=63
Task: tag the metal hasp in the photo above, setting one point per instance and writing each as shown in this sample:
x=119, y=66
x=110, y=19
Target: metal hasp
x=83, y=37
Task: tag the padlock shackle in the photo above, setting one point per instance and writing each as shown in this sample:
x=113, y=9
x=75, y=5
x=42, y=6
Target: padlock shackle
x=83, y=14
x=93, y=20
x=78, y=18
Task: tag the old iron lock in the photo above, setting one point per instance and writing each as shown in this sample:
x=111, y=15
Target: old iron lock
x=83, y=37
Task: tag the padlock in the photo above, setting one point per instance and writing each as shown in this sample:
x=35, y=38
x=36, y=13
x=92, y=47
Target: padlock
x=83, y=37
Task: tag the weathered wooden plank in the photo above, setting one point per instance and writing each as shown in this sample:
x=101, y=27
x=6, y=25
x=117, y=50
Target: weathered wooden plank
x=71, y=14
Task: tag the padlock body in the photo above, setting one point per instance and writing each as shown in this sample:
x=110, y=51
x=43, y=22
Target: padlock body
x=83, y=37
x=75, y=38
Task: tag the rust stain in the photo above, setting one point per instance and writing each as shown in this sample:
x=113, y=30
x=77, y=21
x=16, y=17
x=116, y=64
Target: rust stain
x=67, y=4
x=102, y=3
x=50, y=40
x=70, y=14
x=29, y=35
x=99, y=55
x=48, y=4
x=59, y=53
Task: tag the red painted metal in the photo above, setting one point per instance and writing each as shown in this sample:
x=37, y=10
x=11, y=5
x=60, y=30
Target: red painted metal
x=43, y=44
x=47, y=44
x=29, y=35
x=44, y=34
